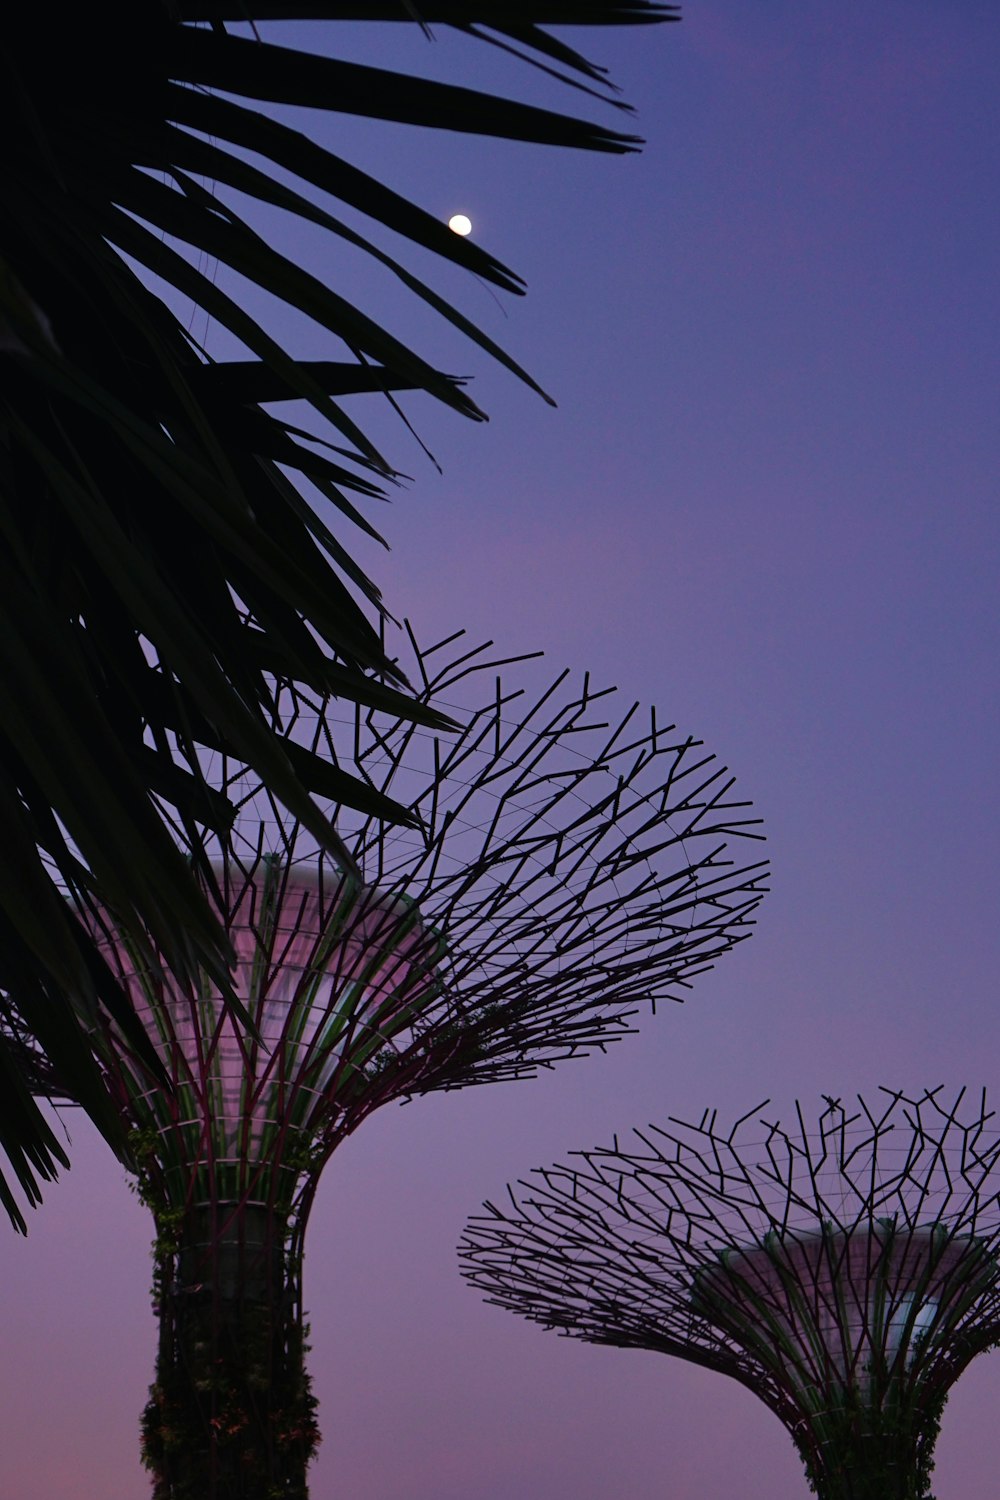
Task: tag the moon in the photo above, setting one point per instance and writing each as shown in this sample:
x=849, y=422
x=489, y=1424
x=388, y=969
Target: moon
x=460, y=223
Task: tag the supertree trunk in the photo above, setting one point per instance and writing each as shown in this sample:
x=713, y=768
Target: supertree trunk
x=866, y=1455
x=230, y=1412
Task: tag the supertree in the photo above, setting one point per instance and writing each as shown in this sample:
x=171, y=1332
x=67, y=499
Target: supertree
x=845, y=1273
x=559, y=870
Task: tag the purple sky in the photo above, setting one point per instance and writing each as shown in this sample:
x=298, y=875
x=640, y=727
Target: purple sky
x=768, y=504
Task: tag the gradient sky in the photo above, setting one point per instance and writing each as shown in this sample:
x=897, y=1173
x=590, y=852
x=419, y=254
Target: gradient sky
x=767, y=503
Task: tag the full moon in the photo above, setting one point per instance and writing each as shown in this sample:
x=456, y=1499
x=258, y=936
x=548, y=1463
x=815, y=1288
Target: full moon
x=460, y=223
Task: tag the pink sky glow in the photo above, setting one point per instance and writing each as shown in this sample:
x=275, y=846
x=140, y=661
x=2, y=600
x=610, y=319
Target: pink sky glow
x=767, y=503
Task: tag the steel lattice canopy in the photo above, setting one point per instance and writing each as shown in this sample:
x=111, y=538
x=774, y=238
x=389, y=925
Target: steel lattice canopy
x=561, y=869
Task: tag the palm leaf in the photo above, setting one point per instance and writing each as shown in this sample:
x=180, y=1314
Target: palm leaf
x=159, y=568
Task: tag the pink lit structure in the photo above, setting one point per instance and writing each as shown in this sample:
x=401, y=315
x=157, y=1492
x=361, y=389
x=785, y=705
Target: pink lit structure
x=560, y=870
x=846, y=1275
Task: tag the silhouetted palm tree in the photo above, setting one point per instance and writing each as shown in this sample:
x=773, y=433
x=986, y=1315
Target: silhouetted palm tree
x=158, y=569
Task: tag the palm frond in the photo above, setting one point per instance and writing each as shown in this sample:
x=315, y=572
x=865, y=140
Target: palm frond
x=160, y=568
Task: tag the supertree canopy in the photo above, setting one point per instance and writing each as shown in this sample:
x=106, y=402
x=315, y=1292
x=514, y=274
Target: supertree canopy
x=559, y=871
x=845, y=1273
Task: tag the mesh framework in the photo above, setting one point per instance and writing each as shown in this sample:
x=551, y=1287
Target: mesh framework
x=560, y=870
x=845, y=1272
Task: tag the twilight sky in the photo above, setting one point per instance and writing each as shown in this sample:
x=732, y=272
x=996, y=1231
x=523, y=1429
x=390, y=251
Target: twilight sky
x=767, y=503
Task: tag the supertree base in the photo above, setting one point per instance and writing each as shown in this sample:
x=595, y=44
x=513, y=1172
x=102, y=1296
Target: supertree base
x=231, y=1413
x=886, y=1465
